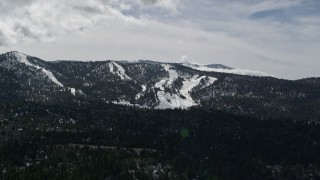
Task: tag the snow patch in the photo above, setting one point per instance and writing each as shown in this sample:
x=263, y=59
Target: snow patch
x=50, y=75
x=144, y=88
x=120, y=71
x=73, y=91
x=191, y=83
x=23, y=59
x=126, y=103
x=111, y=67
x=210, y=81
x=181, y=99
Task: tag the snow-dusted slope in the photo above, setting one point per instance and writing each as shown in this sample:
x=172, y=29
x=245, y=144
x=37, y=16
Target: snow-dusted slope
x=15, y=58
x=166, y=99
x=22, y=58
x=189, y=84
x=115, y=68
x=140, y=83
x=144, y=88
x=203, y=67
x=50, y=75
x=182, y=98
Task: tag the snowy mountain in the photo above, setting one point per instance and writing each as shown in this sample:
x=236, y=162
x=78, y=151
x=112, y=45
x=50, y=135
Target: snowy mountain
x=150, y=84
x=143, y=83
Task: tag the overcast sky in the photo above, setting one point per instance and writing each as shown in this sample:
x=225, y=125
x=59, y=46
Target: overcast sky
x=279, y=37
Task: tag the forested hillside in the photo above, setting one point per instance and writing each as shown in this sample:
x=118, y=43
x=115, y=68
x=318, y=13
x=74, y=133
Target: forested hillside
x=156, y=85
x=99, y=141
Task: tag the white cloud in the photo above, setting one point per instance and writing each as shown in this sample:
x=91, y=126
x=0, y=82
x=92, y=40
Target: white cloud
x=44, y=20
x=209, y=31
x=170, y=5
x=183, y=58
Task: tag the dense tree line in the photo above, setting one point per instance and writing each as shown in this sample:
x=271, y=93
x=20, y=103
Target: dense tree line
x=175, y=144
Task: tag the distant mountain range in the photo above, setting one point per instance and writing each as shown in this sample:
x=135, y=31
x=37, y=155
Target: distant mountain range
x=149, y=84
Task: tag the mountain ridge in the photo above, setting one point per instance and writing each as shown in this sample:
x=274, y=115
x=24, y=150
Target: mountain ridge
x=152, y=85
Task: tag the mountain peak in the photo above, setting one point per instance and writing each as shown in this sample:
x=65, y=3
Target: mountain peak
x=15, y=53
x=218, y=66
x=16, y=57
